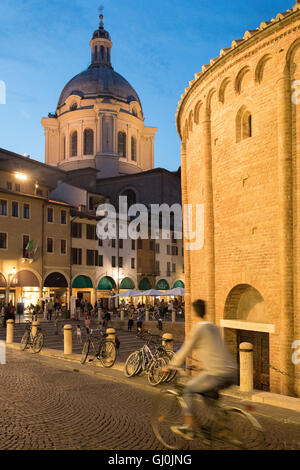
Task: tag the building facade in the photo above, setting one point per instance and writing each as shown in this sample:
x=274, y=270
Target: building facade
x=239, y=122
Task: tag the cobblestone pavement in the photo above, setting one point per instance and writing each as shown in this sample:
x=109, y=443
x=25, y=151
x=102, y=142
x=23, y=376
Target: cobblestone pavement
x=50, y=404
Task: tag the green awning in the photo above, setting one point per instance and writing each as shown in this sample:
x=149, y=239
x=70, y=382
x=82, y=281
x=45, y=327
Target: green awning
x=162, y=285
x=82, y=282
x=145, y=284
x=106, y=283
x=178, y=284
x=127, y=284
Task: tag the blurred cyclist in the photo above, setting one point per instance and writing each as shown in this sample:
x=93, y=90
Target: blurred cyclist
x=218, y=369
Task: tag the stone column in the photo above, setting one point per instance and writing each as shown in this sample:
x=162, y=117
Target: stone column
x=246, y=367
x=68, y=339
x=147, y=315
x=173, y=316
x=209, y=244
x=285, y=185
x=10, y=331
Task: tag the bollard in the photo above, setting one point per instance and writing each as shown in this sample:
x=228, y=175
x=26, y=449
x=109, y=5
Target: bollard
x=147, y=315
x=167, y=341
x=111, y=334
x=122, y=315
x=35, y=325
x=173, y=316
x=68, y=339
x=246, y=367
x=10, y=331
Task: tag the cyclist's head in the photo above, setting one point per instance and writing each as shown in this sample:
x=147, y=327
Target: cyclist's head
x=199, y=307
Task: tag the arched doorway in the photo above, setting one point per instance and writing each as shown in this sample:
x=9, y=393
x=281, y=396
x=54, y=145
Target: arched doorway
x=162, y=284
x=145, y=284
x=246, y=320
x=27, y=288
x=178, y=284
x=105, y=289
x=127, y=284
x=82, y=288
x=56, y=288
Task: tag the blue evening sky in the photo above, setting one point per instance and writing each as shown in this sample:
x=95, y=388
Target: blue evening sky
x=158, y=47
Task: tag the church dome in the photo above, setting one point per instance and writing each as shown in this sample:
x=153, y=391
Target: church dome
x=100, y=80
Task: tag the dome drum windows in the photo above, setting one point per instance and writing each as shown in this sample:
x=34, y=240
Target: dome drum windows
x=88, y=144
x=122, y=140
x=74, y=144
x=133, y=149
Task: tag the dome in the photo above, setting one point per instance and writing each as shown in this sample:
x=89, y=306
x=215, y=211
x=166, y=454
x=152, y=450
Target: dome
x=99, y=82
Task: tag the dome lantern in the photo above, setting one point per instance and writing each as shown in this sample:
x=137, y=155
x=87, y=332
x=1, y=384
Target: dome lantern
x=101, y=46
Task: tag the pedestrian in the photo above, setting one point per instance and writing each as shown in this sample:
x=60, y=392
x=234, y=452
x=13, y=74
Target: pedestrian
x=130, y=321
x=139, y=320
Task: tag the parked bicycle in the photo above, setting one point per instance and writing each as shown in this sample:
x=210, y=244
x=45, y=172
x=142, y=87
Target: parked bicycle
x=217, y=425
x=104, y=349
x=144, y=360
x=35, y=342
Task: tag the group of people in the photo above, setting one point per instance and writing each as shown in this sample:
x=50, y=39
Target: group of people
x=8, y=312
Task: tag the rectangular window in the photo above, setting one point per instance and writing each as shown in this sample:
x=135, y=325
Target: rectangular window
x=63, y=247
x=140, y=244
x=100, y=260
x=175, y=250
x=157, y=268
x=91, y=232
x=50, y=215
x=76, y=230
x=157, y=248
x=113, y=262
x=168, y=249
x=121, y=244
x=132, y=263
x=173, y=268
x=9, y=186
x=77, y=256
x=26, y=211
x=15, y=209
x=39, y=192
x=49, y=245
x=3, y=207
x=100, y=242
x=3, y=241
x=113, y=243
x=152, y=245
x=26, y=240
x=17, y=187
x=120, y=262
x=90, y=257
x=133, y=244
x=168, y=269
x=63, y=217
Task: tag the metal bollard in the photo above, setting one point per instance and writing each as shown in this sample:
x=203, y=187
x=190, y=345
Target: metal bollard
x=246, y=367
x=35, y=325
x=68, y=339
x=111, y=334
x=167, y=341
x=10, y=331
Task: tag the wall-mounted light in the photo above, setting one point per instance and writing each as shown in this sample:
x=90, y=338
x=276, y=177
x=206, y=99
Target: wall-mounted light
x=21, y=176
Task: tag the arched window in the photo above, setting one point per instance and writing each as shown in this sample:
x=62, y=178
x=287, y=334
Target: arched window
x=73, y=107
x=73, y=144
x=133, y=149
x=88, y=142
x=243, y=124
x=102, y=52
x=63, y=148
x=131, y=196
x=96, y=53
x=122, y=144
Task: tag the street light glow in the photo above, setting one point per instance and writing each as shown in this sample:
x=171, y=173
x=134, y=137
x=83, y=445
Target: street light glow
x=21, y=176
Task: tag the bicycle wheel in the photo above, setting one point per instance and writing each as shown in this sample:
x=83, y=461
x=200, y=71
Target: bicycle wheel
x=25, y=341
x=166, y=412
x=85, y=352
x=38, y=343
x=155, y=375
x=168, y=356
x=237, y=429
x=133, y=364
x=107, y=353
